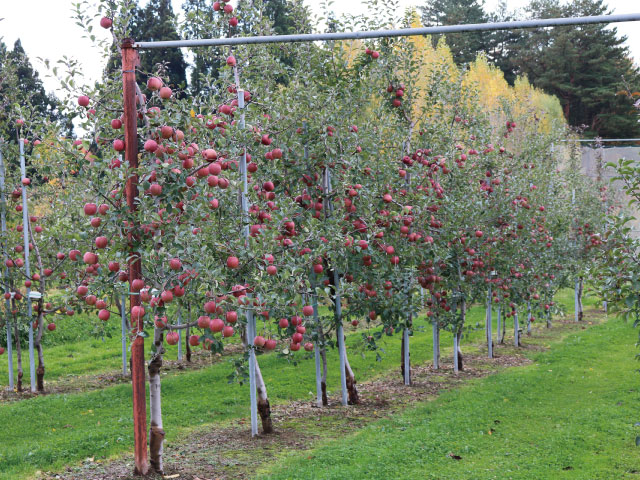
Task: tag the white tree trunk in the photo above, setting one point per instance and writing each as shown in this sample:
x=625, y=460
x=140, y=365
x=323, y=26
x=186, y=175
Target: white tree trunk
x=156, y=435
x=264, y=408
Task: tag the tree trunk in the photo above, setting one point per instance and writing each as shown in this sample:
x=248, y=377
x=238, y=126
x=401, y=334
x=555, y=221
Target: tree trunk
x=499, y=326
x=323, y=354
x=529, y=319
x=156, y=431
x=580, y=291
x=187, y=346
x=38, y=345
x=354, y=399
x=264, y=408
x=405, y=357
x=463, y=316
x=460, y=362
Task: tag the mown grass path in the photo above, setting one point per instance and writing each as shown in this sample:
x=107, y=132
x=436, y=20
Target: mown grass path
x=568, y=415
x=49, y=432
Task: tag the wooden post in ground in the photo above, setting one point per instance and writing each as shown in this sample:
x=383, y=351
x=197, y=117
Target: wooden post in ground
x=130, y=61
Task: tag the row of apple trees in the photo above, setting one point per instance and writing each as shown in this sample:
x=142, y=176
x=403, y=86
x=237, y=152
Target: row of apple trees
x=366, y=178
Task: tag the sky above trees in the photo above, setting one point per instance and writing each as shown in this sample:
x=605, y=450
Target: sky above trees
x=51, y=33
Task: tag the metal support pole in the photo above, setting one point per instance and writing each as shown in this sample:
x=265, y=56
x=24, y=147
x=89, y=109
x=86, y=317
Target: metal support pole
x=576, y=299
x=3, y=222
x=407, y=367
x=123, y=317
x=405, y=32
x=130, y=61
x=489, y=320
x=251, y=320
x=27, y=267
x=455, y=351
x=436, y=344
x=340, y=333
x=316, y=319
x=180, y=336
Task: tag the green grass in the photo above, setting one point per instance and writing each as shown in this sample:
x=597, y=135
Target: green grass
x=569, y=415
x=49, y=432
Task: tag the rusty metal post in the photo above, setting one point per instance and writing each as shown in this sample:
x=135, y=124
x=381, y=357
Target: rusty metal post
x=130, y=61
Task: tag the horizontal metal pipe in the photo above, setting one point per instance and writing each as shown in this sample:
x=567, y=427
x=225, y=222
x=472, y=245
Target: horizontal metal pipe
x=591, y=140
x=404, y=32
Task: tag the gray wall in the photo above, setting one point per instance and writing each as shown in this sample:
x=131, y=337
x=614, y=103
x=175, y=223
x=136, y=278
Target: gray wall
x=593, y=161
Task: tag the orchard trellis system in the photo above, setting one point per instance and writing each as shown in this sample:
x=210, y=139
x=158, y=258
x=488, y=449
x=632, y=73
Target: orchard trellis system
x=129, y=63
x=130, y=60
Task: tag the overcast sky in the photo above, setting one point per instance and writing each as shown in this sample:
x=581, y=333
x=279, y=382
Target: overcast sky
x=46, y=30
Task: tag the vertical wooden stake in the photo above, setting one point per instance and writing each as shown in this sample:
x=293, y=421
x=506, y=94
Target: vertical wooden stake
x=129, y=63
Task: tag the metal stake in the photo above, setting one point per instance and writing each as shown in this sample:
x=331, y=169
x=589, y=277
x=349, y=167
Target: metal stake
x=123, y=316
x=180, y=336
x=489, y=325
x=3, y=221
x=27, y=268
x=251, y=320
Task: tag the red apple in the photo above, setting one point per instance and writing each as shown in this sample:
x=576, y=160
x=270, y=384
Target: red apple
x=90, y=209
x=173, y=338
x=233, y=262
x=216, y=325
x=231, y=317
x=154, y=83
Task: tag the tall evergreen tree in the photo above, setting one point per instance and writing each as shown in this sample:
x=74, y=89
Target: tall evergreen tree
x=464, y=46
x=501, y=44
x=20, y=84
x=284, y=16
x=157, y=21
x=206, y=60
x=587, y=67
